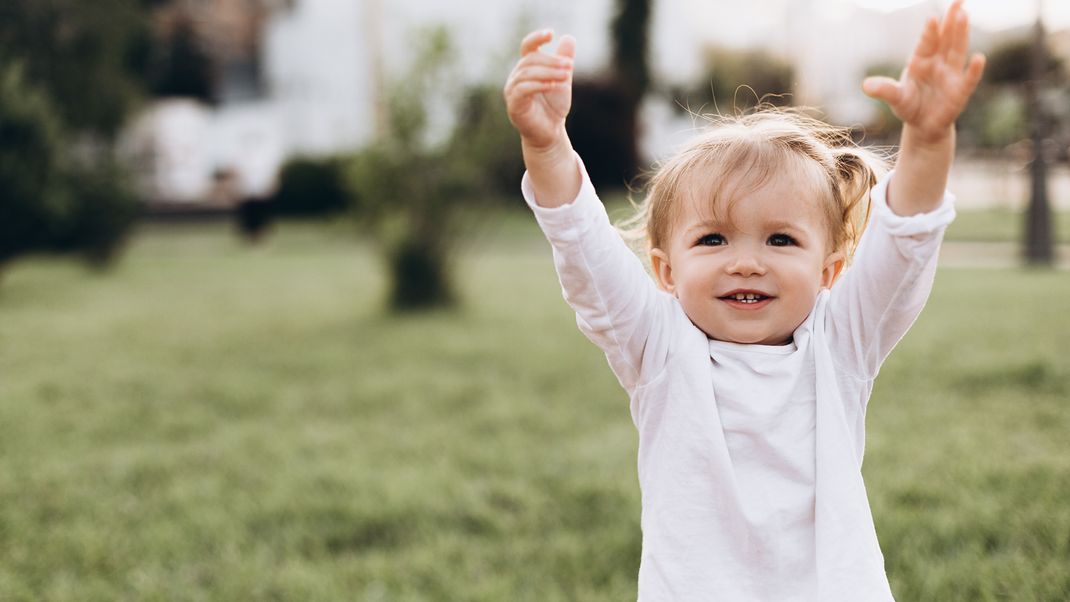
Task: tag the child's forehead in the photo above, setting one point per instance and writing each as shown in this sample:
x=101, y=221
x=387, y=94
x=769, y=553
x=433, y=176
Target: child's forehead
x=711, y=194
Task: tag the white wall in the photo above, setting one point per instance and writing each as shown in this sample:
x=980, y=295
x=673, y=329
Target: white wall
x=318, y=74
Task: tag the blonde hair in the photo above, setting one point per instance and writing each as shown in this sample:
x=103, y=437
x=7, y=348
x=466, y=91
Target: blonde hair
x=745, y=152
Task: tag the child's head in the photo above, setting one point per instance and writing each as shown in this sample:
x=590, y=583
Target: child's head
x=750, y=220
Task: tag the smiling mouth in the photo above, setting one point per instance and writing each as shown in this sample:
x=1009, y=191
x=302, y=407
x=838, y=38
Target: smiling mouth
x=746, y=298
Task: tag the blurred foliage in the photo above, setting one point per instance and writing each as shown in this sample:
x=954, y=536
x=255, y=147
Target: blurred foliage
x=631, y=44
x=997, y=116
x=70, y=74
x=603, y=122
x=30, y=197
x=413, y=187
x=102, y=212
x=737, y=80
x=312, y=187
x=1001, y=119
x=602, y=128
x=88, y=57
x=179, y=66
x=884, y=127
x=50, y=198
x=1011, y=62
x=485, y=135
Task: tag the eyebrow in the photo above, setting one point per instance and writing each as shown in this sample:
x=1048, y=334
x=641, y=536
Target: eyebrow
x=783, y=225
x=712, y=224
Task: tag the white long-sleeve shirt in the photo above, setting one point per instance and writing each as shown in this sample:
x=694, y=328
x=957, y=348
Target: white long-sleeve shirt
x=750, y=455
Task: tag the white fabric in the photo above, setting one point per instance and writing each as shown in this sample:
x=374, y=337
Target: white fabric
x=749, y=455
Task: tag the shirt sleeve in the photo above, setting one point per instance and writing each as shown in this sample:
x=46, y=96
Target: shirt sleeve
x=617, y=305
x=878, y=298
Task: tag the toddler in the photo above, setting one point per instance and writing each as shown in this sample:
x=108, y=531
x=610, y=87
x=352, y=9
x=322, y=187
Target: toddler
x=750, y=356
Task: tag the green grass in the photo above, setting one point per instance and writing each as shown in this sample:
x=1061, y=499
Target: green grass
x=217, y=422
x=1001, y=225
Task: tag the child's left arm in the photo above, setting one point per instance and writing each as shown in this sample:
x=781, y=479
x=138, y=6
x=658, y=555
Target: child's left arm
x=929, y=95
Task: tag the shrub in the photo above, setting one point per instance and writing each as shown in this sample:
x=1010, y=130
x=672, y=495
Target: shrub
x=100, y=213
x=49, y=201
x=312, y=188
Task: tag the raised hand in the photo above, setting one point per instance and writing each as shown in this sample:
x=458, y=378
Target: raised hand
x=538, y=94
x=937, y=81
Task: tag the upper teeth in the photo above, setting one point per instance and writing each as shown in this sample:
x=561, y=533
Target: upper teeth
x=746, y=297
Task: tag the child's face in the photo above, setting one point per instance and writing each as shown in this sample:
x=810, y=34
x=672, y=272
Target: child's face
x=771, y=250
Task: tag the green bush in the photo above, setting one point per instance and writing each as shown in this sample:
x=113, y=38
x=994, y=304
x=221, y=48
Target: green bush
x=48, y=200
x=485, y=136
x=101, y=212
x=31, y=198
x=312, y=188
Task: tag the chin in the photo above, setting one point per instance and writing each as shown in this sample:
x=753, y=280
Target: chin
x=750, y=338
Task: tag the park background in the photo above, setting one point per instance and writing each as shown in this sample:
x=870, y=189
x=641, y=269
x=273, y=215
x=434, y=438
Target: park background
x=274, y=323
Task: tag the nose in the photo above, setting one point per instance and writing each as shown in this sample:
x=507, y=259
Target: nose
x=746, y=264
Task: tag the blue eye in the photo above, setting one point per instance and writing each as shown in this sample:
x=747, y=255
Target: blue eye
x=781, y=240
x=711, y=240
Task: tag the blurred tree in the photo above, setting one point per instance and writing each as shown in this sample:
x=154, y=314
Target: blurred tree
x=30, y=199
x=603, y=123
x=1009, y=107
x=1038, y=243
x=1012, y=63
x=70, y=73
x=180, y=66
x=88, y=57
x=485, y=135
x=312, y=187
x=739, y=79
x=412, y=187
x=51, y=200
x=630, y=46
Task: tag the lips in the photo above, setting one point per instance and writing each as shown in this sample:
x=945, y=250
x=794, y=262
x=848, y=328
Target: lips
x=747, y=298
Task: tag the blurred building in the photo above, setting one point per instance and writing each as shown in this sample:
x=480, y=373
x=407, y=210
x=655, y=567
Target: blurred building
x=306, y=77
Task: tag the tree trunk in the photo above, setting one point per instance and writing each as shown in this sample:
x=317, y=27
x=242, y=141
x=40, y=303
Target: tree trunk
x=1038, y=245
x=419, y=276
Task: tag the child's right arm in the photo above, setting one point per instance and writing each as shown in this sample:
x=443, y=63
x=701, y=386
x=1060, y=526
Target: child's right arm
x=617, y=304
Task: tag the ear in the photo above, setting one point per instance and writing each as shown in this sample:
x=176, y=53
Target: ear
x=659, y=263
x=833, y=267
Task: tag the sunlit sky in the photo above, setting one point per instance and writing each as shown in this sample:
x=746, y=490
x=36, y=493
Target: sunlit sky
x=746, y=23
x=993, y=14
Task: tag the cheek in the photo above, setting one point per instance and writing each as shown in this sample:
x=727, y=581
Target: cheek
x=806, y=276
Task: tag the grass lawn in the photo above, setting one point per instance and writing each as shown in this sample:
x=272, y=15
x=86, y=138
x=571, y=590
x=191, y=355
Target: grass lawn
x=217, y=422
x=1001, y=225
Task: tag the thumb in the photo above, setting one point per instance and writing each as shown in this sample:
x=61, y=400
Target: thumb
x=882, y=88
x=567, y=47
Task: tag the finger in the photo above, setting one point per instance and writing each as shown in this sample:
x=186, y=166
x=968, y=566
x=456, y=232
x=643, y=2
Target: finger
x=544, y=60
x=882, y=88
x=542, y=74
x=567, y=47
x=959, y=43
x=930, y=39
x=974, y=71
x=534, y=40
x=522, y=90
x=947, y=26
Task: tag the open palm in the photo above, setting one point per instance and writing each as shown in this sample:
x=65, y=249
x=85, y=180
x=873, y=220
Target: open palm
x=937, y=81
